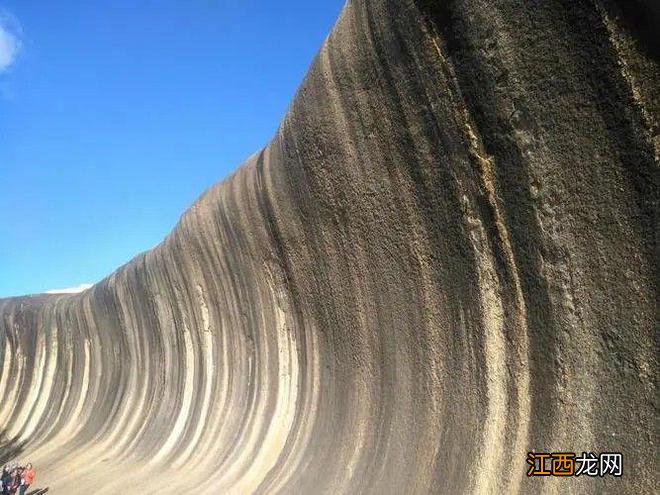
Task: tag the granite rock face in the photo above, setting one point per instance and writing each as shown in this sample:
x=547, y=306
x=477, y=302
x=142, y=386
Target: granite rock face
x=444, y=259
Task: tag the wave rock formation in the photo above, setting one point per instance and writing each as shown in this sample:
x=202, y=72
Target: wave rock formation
x=444, y=259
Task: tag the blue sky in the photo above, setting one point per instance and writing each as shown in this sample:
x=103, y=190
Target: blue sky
x=115, y=115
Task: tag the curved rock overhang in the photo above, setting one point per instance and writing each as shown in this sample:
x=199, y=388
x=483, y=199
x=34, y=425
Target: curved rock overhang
x=444, y=259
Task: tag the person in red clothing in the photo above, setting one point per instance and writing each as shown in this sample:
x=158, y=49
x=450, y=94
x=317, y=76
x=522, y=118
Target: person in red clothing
x=27, y=478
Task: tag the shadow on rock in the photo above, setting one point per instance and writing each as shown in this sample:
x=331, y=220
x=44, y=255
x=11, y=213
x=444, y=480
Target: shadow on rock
x=10, y=448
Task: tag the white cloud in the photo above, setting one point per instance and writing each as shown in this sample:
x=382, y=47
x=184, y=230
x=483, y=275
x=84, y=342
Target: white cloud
x=70, y=290
x=10, y=43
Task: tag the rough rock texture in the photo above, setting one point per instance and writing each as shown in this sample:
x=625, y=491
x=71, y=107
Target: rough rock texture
x=445, y=258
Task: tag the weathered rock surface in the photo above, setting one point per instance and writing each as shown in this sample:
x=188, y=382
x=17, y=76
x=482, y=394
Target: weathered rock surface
x=444, y=259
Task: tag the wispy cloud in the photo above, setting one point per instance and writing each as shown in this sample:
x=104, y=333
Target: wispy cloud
x=70, y=290
x=10, y=40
